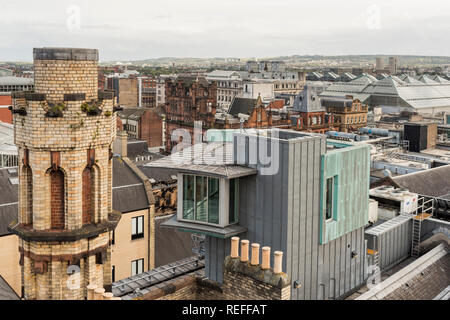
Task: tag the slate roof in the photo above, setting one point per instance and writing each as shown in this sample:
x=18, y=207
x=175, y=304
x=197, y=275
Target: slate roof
x=427, y=284
x=433, y=182
x=242, y=105
x=423, y=279
x=128, y=189
x=158, y=174
x=131, y=113
x=8, y=199
x=136, y=148
x=6, y=292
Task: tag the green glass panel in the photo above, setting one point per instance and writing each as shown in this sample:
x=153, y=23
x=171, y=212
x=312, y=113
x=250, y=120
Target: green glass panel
x=188, y=197
x=213, y=200
x=201, y=198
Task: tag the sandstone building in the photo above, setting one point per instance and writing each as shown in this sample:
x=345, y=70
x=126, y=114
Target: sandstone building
x=64, y=132
x=188, y=99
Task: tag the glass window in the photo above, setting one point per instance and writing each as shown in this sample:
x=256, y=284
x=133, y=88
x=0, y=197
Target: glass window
x=233, y=214
x=188, y=197
x=329, y=194
x=213, y=200
x=201, y=198
x=137, y=227
x=137, y=267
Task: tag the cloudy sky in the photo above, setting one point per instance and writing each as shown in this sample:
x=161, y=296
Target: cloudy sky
x=140, y=29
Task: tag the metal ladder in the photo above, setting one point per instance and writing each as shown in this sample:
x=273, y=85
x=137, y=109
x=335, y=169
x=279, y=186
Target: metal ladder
x=425, y=212
x=415, y=248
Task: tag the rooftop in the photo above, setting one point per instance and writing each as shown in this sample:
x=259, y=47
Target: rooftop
x=426, y=278
x=16, y=81
x=417, y=93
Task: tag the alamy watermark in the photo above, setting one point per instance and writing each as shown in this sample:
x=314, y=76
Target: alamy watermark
x=248, y=148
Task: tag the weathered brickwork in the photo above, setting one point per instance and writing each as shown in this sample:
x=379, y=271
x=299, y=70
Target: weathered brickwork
x=57, y=199
x=64, y=139
x=241, y=281
x=87, y=195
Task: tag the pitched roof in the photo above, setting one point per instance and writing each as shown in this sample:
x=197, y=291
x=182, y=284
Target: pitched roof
x=6, y=292
x=132, y=113
x=128, y=189
x=423, y=279
x=276, y=104
x=432, y=182
x=242, y=105
x=16, y=81
x=8, y=199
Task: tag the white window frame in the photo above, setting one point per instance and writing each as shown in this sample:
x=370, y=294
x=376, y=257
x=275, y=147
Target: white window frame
x=137, y=266
x=224, y=190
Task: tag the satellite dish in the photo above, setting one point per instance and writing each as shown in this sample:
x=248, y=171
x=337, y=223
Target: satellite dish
x=243, y=116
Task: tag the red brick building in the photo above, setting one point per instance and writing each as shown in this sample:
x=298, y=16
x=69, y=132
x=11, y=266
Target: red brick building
x=189, y=99
x=254, y=114
x=143, y=124
x=5, y=113
x=318, y=122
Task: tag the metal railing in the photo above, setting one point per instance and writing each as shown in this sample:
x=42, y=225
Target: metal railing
x=151, y=275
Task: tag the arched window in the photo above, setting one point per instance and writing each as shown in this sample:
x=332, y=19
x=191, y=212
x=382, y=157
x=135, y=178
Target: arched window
x=57, y=202
x=88, y=198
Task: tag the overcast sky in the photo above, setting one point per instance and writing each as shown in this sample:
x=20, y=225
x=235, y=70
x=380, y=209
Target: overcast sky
x=140, y=29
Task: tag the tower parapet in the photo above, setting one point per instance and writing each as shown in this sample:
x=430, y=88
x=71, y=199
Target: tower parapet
x=64, y=132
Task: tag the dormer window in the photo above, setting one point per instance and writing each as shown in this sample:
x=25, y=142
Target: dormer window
x=208, y=200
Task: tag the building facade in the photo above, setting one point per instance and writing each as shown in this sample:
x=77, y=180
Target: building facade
x=143, y=124
x=349, y=114
x=64, y=132
x=309, y=200
x=188, y=99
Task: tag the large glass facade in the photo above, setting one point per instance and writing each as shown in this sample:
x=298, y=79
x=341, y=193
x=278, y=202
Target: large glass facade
x=201, y=199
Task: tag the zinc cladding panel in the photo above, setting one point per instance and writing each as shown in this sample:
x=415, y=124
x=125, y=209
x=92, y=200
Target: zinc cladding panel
x=351, y=166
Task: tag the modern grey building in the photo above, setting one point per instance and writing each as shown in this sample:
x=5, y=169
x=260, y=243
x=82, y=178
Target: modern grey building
x=292, y=191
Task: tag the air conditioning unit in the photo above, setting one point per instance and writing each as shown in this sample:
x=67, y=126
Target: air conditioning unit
x=393, y=201
x=373, y=211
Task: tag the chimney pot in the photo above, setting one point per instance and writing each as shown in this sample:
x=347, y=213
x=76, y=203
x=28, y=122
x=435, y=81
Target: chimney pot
x=255, y=254
x=108, y=296
x=90, y=291
x=235, y=247
x=98, y=293
x=265, y=258
x=278, y=258
x=244, y=250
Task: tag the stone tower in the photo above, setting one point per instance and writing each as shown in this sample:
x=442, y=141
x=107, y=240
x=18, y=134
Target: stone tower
x=64, y=131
